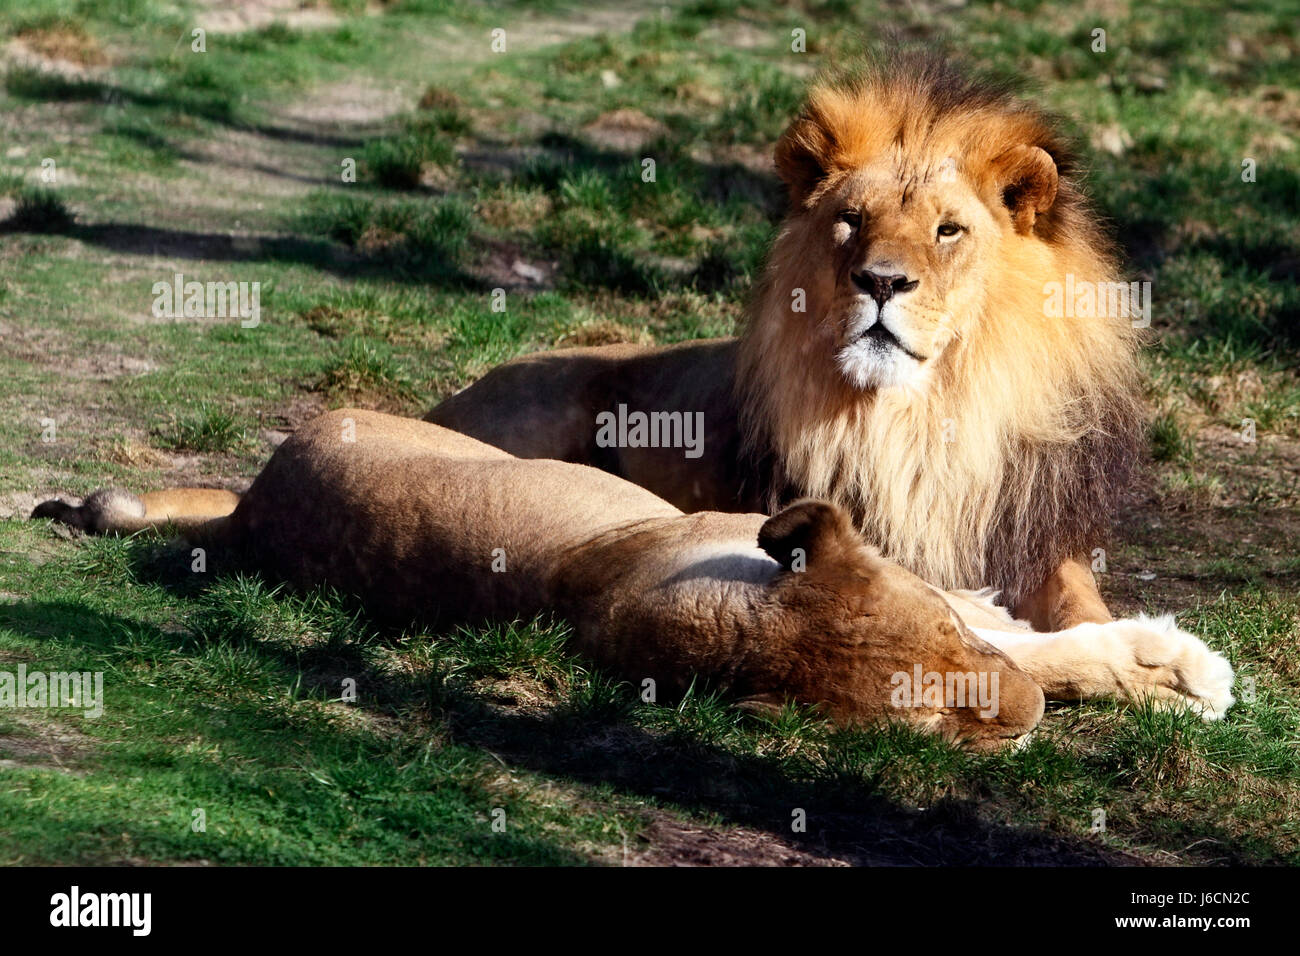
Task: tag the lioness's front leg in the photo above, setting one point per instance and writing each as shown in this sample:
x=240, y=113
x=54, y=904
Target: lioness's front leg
x=1067, y=598
x=1135, y=659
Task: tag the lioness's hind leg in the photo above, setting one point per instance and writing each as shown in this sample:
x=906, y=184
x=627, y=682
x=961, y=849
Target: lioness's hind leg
x=1136, y=659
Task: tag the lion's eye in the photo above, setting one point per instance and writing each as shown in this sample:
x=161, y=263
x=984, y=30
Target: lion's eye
x=850, y=217
x=948, y=231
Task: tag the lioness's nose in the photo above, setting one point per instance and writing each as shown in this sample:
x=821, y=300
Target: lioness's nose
x=882, y=287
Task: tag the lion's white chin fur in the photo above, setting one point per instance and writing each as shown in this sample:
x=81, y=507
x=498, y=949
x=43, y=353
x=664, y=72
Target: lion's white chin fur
x=868, y=363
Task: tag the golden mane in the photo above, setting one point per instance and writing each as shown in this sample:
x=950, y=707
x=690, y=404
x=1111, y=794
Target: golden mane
x=1011, y=459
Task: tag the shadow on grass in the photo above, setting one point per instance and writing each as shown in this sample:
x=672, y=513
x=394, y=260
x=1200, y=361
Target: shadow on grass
x=714, y=183
x=327, y=256
x=36, y=85
x=431, y=804
x=1250, y=258
x=847, y=818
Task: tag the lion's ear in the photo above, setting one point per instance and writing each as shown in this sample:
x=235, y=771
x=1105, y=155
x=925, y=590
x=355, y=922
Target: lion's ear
x=806, y=532
x=802, y=158
x=1027, y=178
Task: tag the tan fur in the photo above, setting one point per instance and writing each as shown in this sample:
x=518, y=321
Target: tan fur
x=998, y=461
x=422, y=523
x=1068, y=597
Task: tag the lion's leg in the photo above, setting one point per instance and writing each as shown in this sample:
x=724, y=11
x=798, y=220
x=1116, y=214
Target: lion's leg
x=1067, y=598
x=1135, y=659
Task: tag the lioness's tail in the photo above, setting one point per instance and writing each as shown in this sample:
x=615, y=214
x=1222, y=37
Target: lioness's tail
x=194, y=512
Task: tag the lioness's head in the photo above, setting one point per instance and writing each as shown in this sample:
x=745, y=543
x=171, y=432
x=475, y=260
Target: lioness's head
x=906, y=195
x=870, y=641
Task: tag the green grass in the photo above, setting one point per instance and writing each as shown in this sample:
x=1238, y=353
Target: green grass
x=230, y=695
x=1169, y=440
x=362, y=372
x=210, y=430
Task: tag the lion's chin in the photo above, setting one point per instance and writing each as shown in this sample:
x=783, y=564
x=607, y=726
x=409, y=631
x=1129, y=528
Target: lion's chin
x=871, y=365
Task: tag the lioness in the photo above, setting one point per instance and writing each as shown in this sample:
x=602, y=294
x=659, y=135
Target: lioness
x=420, y=522
x=935, y=345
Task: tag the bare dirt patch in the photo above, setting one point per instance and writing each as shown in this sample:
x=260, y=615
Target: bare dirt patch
x=19, y=504
x=279, y=423
x=355, y=102
x=105, y=366
x=239, y=16
x=503, y=265
x=1171, y=558
x=30, y=343
x=624, y=130
x=667, y=841
x=68, y=44
x=43, y=744
x=242, y=167
x=1264, y=470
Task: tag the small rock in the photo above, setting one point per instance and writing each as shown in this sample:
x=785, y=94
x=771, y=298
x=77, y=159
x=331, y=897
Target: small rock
x=526, y=271
x=1112, y=138
x=1149, y=82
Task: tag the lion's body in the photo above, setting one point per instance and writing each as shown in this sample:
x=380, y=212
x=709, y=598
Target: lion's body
x=974, y=437
x=423, y=524
x=547, y=403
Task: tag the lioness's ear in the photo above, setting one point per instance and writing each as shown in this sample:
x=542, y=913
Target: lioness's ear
x=762, y=705
x=802, y=155
x=806, y=532
x=1027, y=178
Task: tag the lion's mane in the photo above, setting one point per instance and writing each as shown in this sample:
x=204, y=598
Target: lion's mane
x=1012, y=459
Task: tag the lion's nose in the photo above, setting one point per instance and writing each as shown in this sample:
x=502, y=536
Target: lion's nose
x=882, y=287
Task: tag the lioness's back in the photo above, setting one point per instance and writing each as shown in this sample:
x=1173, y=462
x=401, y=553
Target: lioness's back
x=421, y=507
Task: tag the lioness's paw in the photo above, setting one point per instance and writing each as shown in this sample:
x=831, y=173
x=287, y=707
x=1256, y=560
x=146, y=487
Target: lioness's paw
x=1177, y=667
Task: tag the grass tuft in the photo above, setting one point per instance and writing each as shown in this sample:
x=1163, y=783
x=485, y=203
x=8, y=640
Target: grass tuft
x=362, y=373
x=1169, y=439
x=210, y=430
x=38, y=210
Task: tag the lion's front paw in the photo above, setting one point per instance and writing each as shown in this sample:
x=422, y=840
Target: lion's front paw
x=1175, y=668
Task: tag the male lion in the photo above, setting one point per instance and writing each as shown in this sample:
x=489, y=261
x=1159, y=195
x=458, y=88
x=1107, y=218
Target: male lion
x=421, y=522
x=897, y=358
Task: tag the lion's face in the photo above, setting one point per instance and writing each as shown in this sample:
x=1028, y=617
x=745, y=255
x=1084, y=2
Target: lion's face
x=903, y=260
x=901, y=211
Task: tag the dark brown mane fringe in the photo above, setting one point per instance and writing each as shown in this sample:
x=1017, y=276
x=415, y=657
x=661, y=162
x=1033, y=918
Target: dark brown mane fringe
x=1075, y=498
x=1073, y=504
